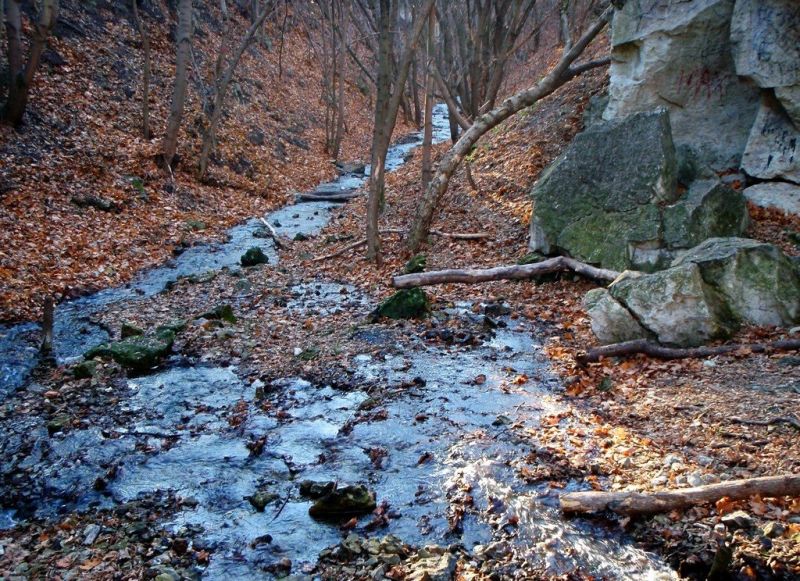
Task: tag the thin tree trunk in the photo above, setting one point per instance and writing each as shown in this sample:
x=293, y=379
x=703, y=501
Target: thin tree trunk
x=222, y=90
x=560, y=74
x=386, y=117
x=48, y=321
x=340, y=98
x=415, y=93
x=19, y=80
x=427, y=138
x=452, y=107
x=183, y=45
x=146, y=77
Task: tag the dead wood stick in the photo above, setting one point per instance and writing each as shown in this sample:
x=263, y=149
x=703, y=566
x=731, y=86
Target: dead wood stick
x=343, y=197
x=631, y=503
x=778, y=420
x=48, y=320
x=454, y=235
x=515, y=272
x=273, y=234
x=655, y=350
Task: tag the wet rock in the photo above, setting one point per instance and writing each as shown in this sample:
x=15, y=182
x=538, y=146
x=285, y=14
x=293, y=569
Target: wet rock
x=345, y=501
x=496, y=310
x=139, y=353
x=780, y=195
x=773, y=530
x=260, y=499
x=58, y=423
x=130, y=330
x=678, y=55
x=759, y=283
x=737, y=520
x=351, y=168
x=253, y=257
x=315, y=490
x=416, y=264
x=404, y=304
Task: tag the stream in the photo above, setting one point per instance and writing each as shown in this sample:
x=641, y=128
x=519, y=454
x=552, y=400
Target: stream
x=434, y=434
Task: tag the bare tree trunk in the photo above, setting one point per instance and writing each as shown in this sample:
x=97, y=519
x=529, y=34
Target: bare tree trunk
x=183, y=45
x=563, y=20
x=340, y=69
x=386, y=115
x=415, y=93
x=146, y=77
x=452, y=107
x=221, y=91
x=48, y=321
x=19, y=80
x=427, y=138
x=558, y=75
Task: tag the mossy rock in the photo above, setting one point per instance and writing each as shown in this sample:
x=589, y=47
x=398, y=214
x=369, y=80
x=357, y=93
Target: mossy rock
x=253, y=257
x=416, y=264
x=130, y=330
x=531, y=258
x=346, y=501
x=405, y=304
x=261, y=498
x=300, y=237
x=220, y=313
x=139, y=353
x=84, y=370
x=195, y=225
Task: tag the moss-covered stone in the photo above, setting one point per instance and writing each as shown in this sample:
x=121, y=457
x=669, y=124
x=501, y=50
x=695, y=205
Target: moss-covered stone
x=416, y=264
x=405, y=304
x=531, y=258
x=261, y=498
x=220, y=313
x=760, y=283
x=346, y=501
x=130, y=330
x=253, y=257
x=139, y=353
x=84, y=370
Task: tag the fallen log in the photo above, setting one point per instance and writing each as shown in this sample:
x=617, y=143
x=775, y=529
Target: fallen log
x=343, y=197
x=273, y=234
x=792, y=421
x=633, y=503
x=515, y=272
x=661, y=352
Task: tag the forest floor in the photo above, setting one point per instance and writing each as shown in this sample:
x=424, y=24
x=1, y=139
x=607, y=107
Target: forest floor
x=638, y=423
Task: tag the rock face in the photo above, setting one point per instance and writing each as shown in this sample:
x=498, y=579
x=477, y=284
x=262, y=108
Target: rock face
x=612, y=198
x=678, y=55
x=773, y=148
x=705, y=295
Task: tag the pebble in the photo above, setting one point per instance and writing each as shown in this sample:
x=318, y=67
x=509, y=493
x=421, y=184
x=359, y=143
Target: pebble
x=773, y=530
x=90, y=534
x=671, y=459
x=695, y=479
x=659, y=480
x=737, y=520
x=705, y=460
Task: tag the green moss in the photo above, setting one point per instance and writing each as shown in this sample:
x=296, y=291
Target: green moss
x=416, y=264
x=84, y=369
x=220, y=313
x=405, y=304
x=253, y=257
x=130, y=330
x=139, y=353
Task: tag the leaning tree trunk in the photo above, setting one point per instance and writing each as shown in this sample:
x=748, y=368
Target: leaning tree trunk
x=183, y=46
x=146, y=77
x=560, y=74
x=19, y=79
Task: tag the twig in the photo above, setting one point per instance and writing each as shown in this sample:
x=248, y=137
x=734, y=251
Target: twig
x=779, y=420
x=656, y=350
x=273, y=234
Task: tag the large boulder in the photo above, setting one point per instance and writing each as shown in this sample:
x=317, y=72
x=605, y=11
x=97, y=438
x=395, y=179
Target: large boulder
x=760, y=284
x=677, y=55
x=707, y=293
x=675, y=305
x=780, y=195
x=612, y=198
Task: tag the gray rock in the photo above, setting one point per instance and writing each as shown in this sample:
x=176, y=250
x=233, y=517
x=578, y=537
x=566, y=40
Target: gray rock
x=675, y=305
x=737, y=520
x=435, y=568
x=780, y=195
x=765, y=39
x=611, y=322
x=708, y=209
x=790, y=99
x=760, y=284
x=602, y=192
x=678, y=55
x=773, y=147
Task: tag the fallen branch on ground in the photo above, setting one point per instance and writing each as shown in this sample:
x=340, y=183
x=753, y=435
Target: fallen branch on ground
x=655, y=350
x=363, y=241
x=772, y=421
x=632, y=503
x=273, y=234
x=515, y=272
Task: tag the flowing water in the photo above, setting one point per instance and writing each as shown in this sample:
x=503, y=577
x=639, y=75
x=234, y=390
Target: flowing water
x=191, y=430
